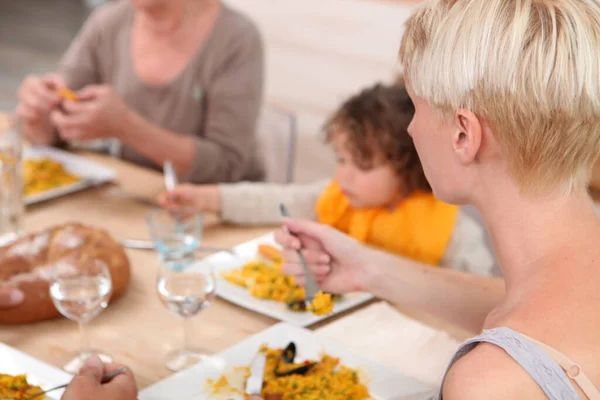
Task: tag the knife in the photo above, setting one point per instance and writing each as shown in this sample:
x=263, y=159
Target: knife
x=254, y=383
x=140, y=244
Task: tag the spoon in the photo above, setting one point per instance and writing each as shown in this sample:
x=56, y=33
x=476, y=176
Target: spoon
x=170, y=175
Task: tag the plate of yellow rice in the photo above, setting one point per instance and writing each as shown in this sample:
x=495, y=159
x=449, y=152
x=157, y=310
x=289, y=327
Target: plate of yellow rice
x=249, y=281
x=49, y=173
x=339, y=375
x=22, y=375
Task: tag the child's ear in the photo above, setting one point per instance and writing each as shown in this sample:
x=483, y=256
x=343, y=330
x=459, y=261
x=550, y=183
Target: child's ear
x=466, y=141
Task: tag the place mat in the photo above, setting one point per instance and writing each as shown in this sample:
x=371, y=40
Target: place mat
x=382, y=334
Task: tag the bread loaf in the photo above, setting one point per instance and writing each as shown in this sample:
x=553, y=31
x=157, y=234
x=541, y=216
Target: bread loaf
x=28, y=264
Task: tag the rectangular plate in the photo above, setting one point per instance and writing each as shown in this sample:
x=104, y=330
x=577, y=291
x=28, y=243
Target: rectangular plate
x=384, y=383
x=13, y=362
x=91, y=173
x=238, y=295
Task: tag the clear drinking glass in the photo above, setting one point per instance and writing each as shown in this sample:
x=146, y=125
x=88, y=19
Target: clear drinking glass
x=175, y=232
x=184, y=284
x=11, y=181
x=81, y=292
x=185, y=287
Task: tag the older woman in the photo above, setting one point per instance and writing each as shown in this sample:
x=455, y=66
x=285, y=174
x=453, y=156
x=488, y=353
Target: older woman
x=507, y=98
x=171, y=79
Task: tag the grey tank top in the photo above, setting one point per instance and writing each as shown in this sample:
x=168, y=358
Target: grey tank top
x=537, y=362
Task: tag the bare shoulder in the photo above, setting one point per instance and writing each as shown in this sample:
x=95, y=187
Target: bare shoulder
x=488, y=372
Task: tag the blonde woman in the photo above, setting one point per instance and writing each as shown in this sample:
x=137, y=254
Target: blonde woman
x=177, y=80
x=507, y=98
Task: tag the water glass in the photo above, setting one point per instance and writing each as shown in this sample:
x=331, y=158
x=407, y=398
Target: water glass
x=175, y=232
x=184, y=284
x=80, y=290
x=11, y=181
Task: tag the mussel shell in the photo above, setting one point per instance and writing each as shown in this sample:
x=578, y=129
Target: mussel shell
x=288, y=355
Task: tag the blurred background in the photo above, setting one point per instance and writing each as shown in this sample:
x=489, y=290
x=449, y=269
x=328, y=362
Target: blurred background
x=318, y=53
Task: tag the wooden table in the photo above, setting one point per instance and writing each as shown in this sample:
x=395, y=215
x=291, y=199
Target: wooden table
x=137, y=329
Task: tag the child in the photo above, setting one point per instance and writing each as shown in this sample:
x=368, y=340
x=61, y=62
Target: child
x=379, y=194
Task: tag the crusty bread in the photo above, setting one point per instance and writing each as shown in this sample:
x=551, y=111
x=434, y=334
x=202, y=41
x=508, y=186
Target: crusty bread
x=27, y=262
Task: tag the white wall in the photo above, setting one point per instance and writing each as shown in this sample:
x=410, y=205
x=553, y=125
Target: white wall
x=318, y=53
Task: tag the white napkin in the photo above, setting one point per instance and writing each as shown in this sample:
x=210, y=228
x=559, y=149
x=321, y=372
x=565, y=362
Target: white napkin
x=382, y=334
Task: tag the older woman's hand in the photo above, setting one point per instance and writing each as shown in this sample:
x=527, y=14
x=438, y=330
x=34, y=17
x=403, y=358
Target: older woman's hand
x=337, y=261
x=10, y=297
x=86, y=385
x=37, y=98
x=98, y=113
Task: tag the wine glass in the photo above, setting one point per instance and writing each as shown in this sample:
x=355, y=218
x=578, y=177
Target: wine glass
x=80, y=290
x=185, y=285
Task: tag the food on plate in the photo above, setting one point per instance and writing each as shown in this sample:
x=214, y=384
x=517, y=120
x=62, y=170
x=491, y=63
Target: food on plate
x=270, y=253
x=67, y=94
x=327, y=379
x=17, y=387
x=322, y=304
x=287, y=379
x=28, y=263
x=264, y=279
x=228, y=385
x=40, y=175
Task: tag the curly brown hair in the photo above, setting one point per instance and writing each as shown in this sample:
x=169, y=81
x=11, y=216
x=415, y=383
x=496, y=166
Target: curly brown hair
x=376, y=123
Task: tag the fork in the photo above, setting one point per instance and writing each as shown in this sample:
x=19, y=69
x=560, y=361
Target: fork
x=105, y=379
x=310, y=287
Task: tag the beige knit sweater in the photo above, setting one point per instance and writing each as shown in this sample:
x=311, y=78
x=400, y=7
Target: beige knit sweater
x=250, y=203
x=215, y=99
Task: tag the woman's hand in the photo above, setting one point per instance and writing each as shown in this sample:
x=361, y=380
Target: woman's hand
x=37, y=98
x=98, y=113
x=10, y=297
x=338, y=262
x=206, y=198
x=86, y=385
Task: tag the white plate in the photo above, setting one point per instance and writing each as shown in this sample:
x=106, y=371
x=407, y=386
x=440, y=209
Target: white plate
x=91, y=173
x=13, y=362
x=384, y=383
x=238, y=295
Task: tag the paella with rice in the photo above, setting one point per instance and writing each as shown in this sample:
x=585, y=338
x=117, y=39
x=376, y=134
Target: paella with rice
x=40, y=175
x=17, y=388
x=286, y=379
x=264, y=279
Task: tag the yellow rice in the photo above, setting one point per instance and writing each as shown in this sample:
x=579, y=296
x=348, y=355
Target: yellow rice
x=17, y=388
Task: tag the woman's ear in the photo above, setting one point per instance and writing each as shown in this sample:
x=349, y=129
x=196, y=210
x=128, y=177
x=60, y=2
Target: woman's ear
x=466, y=141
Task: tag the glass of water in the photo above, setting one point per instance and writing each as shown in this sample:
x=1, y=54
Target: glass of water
x=11, y=181
x=80, y=291
x=175, y=232
x=185, y=287
x=184, y=284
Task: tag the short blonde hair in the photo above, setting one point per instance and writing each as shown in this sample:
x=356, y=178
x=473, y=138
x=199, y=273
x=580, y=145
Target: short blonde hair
x=529, y=68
